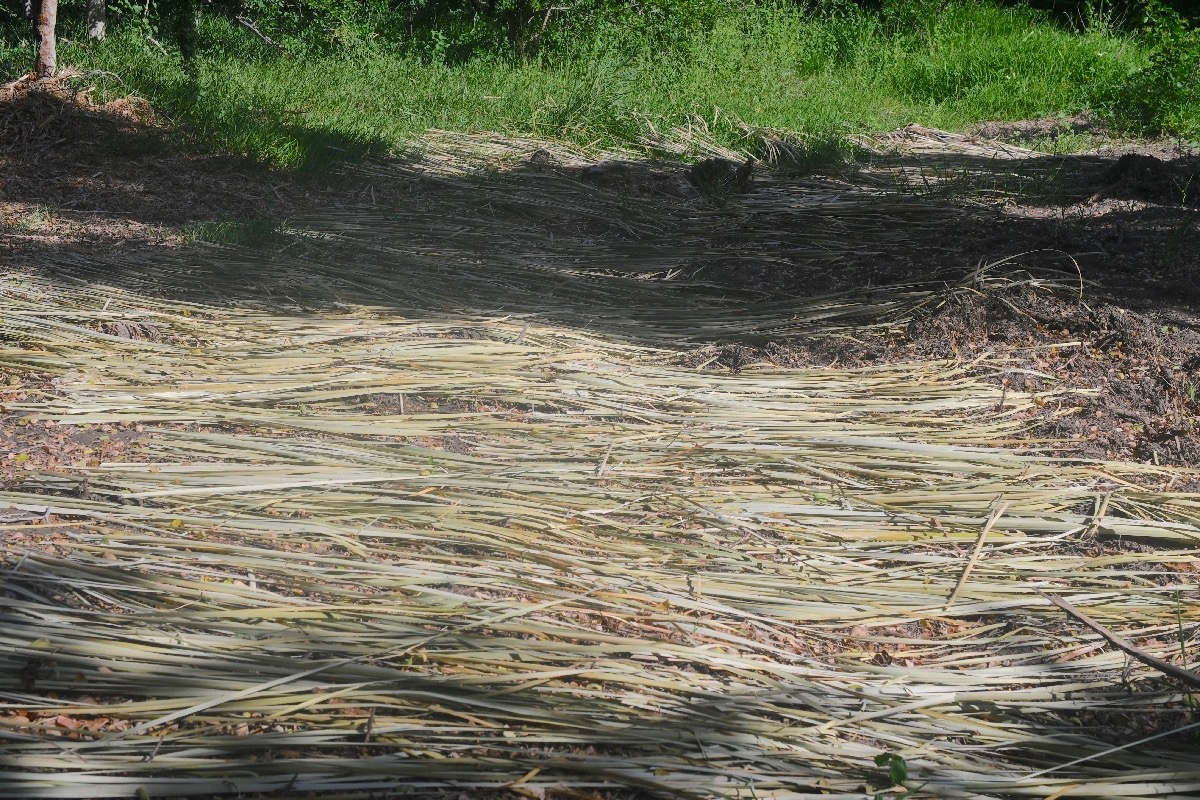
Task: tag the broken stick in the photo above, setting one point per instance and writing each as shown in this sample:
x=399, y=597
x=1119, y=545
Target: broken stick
x=1180, y=674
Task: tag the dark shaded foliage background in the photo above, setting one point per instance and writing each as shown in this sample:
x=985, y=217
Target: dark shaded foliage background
x=456, y=29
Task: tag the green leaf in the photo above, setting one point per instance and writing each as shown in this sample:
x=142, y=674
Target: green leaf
x=896, y=766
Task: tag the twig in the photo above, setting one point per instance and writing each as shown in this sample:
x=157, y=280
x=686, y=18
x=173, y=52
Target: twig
x=1003, y=393
x=370, y=726
x=1166, y=667
x=975, y=553
x=252, y=26
x=157, y=747
x=537, y=40
x=604, y=461
x=1100, y=509
x=103, y=73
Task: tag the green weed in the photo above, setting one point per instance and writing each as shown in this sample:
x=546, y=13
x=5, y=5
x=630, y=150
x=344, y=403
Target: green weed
x=36, y=219
x=255, y=233
x=897, y=772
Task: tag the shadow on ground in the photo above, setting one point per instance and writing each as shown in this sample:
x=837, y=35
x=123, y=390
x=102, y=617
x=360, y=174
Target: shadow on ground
x=79, y=177
x=533, y=227
x=1090, y=263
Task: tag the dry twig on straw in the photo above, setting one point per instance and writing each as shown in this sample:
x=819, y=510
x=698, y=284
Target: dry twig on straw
x=962, y=581
x=1185, y=676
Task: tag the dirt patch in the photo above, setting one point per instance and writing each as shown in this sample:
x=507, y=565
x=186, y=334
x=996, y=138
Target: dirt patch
x=94, y=177
x=1031, y=130
x=1136, y=176
x=40, y=455
x=1136, y=373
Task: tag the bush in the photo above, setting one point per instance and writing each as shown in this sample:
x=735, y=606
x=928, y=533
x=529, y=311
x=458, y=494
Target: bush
x=1163, y=95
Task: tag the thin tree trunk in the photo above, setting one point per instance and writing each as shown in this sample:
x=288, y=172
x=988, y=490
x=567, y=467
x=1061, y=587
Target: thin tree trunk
x=95, y=19
x=47, y=58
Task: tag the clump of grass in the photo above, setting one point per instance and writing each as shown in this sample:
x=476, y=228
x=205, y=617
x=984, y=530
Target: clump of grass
x=36, y=219
x=818, y=75
x=255, y=233
x=827, y=75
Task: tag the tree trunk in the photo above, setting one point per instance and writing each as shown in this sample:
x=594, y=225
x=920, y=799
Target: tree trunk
x=95, y=19
x=47, y=58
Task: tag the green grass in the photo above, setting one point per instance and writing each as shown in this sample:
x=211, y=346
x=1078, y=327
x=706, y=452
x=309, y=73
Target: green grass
x=817, y=76
x=250, y=233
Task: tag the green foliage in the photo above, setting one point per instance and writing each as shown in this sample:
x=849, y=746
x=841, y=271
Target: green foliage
x=359, y=76
x=993, y=62
x=233, y=99
x=897, y=770
x=254, y=233
x=1164, y=93
x=303, y=25
x=848, y=71
x=454, y=30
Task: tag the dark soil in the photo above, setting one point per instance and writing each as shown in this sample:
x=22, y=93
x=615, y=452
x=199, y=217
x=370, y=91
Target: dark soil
x=1136, y=176
x=95, y=177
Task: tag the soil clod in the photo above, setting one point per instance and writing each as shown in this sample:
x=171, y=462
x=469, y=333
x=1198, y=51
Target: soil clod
x=1136, y=176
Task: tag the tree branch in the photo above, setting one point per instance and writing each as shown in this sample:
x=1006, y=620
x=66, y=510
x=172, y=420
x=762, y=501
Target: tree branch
x=250, y=25
x=1180, y=674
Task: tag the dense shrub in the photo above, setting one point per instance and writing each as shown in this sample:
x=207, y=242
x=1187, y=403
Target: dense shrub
x=1165, y=93
x=455, y=30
